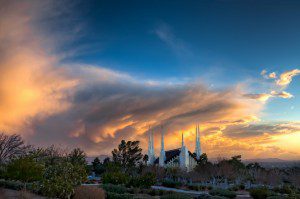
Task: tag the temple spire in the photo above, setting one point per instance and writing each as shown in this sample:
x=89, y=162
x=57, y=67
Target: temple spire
x=198, y=145
x=162, y=156
x=151, y=156
x=182, y=139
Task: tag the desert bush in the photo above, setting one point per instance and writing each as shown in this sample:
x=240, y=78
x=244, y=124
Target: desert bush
x=144, y=181
x=285, y=189
x=171, y=183
x=18, y=185
x=277, y=197
x=197, y=187
x=234, y=188
x=111, y=195
x=60, y=179
x=115, y=178
x=175, y=196
x=25, y=169
x=114, y=188
x=223, y=192
x=259, y=193
x=11, y=184
x=242, y=186
x=89, y=192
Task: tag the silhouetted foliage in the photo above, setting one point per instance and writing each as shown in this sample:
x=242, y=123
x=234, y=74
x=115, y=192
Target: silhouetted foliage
x=25, y=169
x=11, y=146
x=77, y=157
x=128, y=154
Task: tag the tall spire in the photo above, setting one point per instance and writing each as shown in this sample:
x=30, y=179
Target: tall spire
x=183, y=156
x=198, y=145
x=182, y=140
x=162, y=156
x=151, y=156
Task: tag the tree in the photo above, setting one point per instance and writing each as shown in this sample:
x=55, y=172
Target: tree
x=25, y=169
x=11, y=146
x=96, y=162
x=128, y=154
x=48, y=156
x=98, y=168
x=77, y=156
x=145, y=158
x=203, y=159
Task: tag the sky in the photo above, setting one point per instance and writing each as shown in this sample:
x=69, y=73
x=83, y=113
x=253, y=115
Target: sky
x=90, y=73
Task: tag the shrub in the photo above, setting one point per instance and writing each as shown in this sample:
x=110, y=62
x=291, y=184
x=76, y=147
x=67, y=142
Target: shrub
x=111, y=195
x=242, y=186
x=11, y=184
x=114, y=188
x=115, y=178
x=60, y=179
x=171, y=183
x=89, y=192
x=223, y=192
x=276, y=197
x=25, y=169
x=144, y=181
x=285, y=189
x=259, y=193
x=176, y=196
x=234, y=188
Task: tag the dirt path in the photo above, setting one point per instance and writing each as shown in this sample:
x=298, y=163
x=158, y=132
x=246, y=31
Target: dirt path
x=13, y=194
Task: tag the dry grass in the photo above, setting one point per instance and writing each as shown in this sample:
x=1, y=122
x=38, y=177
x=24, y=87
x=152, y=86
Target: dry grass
x=89, y=192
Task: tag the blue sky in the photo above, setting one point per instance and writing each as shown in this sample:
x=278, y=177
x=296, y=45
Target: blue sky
x=222, y=42
x=89, y=74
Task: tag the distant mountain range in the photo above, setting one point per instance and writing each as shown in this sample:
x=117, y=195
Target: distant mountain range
x=269, y=160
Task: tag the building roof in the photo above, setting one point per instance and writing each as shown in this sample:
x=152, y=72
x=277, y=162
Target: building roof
x=172, y=154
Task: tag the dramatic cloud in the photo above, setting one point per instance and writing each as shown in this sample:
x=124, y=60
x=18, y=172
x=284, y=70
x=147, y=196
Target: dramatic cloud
x=257, y=130
x=282, y=94
x=268, y=76
x=263, y=97
x=93, y=107
x=286, y=77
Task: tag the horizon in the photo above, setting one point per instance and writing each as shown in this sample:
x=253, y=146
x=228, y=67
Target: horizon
x=84, y=75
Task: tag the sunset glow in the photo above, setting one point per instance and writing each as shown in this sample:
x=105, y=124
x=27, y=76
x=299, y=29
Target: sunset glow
x=84, y=76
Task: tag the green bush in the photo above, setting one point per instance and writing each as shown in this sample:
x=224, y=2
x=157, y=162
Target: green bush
x=197, y=187
x=242, y=186
x=11, y=184
x=259, y=193
x=144, y=181
x=114, y=188
x=171, y=183
x=115, y=178
x=25, y=169
x=111, y=195
x=223, y=192
x=234, y=188
x=176, y=196
x=285, y=189
x=276, y=197
x=60, y=179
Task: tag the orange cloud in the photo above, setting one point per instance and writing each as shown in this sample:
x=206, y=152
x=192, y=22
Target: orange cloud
x=94, y=108
x=286, y=77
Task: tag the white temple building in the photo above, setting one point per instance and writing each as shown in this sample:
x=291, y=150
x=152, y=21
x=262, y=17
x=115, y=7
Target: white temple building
x=180, y=157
